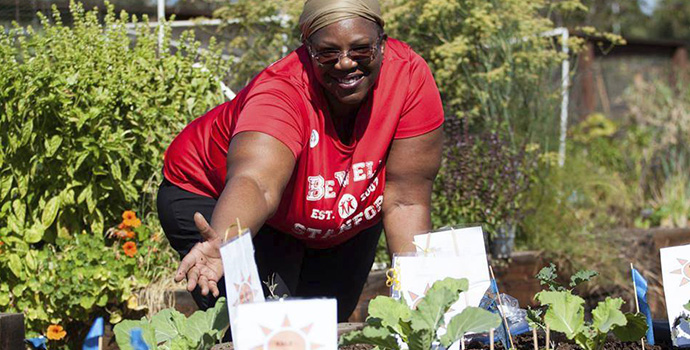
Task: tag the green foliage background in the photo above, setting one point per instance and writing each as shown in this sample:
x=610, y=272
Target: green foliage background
x=86, y=113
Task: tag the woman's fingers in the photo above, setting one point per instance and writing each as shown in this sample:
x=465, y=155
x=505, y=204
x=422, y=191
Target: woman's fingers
x=186, y=264
x=213, y=286
x=203, y=284
x=192, y=278
x=204, y=228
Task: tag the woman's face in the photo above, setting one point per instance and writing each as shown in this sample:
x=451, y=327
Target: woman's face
x=348, y=80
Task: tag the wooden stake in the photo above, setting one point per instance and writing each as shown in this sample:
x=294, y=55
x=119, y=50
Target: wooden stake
x=462, y=343
x=100, y=343
x=535, y=341
x=637, y=303
x=491, y=339
x=548, y=337
x=455, y=242
x=500, y=303
x=428, y=242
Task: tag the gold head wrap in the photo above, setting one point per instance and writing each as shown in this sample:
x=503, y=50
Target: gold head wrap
x=320, y=13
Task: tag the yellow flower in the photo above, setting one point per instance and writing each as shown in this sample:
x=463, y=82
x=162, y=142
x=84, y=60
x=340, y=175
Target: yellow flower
x=56, y=332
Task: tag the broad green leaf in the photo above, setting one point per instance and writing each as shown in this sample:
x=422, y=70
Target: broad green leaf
x=15, y=265
x=608, y=314
x=164, y=326
x=116, y=171
x=4, y=298
x=565, y=313
x=472, y=319
x=52, y=145
x=430, y=310
x=421, y=339
x=87, y=301
x=687, y=306
x=5, y=186
x=19, y=209
x=582, y=276
x=23, y=185
x=634, y=329
x=380, y=337
x=50, y=211
x=122, y=333
x=31, y=260
x=200, y=323
x=85, y=193
x=391, y=312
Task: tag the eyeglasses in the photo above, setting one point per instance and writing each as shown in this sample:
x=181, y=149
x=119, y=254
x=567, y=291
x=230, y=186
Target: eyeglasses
x=361, y=54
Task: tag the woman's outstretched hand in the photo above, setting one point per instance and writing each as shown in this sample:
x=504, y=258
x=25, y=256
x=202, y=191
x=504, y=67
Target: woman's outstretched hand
x=203, y=265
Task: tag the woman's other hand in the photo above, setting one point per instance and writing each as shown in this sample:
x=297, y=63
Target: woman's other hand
x=203, y=265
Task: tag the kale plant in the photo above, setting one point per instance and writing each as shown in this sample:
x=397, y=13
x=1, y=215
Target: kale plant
x=390, y=320
x=548, y=276
x=170, y=329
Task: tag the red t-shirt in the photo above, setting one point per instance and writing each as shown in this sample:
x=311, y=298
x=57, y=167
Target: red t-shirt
x=336, y=190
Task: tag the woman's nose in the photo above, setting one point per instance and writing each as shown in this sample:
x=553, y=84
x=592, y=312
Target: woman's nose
x=345, y=62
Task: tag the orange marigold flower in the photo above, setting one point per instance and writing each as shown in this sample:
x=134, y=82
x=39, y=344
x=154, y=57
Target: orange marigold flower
x=130, y=249
x=56, y=332
x=130, y=234
x=121, y=226
x=132, y=222
x=128, y=215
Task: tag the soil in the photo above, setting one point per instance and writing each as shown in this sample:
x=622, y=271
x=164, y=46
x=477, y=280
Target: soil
x=560, y=342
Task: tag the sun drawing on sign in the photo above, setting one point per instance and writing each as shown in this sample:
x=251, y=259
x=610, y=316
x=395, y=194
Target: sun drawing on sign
x=244, y=291
x=417, y=298
x=684, y=271
x=287, y=337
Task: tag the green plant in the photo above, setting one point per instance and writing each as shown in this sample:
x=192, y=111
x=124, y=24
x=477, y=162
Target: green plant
x=170, y=329
x=85, y=115
x=80, y=277
x=418, y=328
x=548, y=276
x=565, y=314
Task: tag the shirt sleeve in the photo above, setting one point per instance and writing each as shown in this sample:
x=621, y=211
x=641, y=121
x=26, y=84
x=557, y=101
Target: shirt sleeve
x=276, y=109
x=423, y=110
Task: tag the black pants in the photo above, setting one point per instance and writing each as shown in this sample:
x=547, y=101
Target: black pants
x=339, y=272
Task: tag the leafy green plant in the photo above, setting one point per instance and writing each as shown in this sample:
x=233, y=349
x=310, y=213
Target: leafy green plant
x=565, y=314
x=170, y=329
x=85, y=115
x=418, y=328
x=548, y=277
x=84, y=276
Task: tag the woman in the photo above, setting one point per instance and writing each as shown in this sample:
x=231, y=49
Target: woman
x=322, y=150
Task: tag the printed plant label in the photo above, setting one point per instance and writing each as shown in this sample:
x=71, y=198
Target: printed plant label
x=467, y=244
x=242, y=283
x=307, y=324
x=675, y=271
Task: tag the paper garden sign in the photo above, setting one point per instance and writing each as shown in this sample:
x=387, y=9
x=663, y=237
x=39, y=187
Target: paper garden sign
x=308, y=324
x=467, y=244
x=675, y=269
x=242, y=284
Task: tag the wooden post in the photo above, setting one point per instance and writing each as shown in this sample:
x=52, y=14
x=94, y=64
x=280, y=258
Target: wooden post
x=548, y=337
x=491, y=339
x=12, y=332
x=535, y=341
x=679, y=63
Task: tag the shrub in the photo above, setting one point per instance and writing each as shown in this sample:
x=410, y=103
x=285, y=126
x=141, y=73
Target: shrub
x=86, y=112
x=86, y=115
